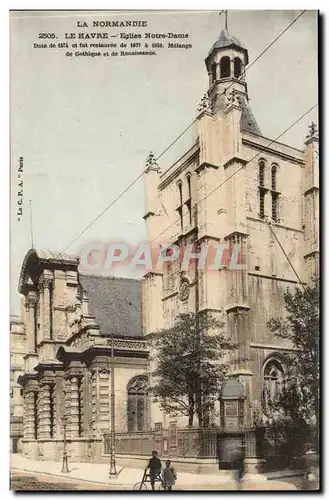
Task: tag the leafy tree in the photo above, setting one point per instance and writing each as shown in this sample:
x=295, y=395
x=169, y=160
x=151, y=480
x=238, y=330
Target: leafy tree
x=299, y=398
x=190, y=364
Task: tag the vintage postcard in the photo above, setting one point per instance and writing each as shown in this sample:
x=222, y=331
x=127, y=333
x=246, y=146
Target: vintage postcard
x=164, y=329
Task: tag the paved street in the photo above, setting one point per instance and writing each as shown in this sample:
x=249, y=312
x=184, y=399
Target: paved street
x=33, y=481
x=25, y=481
x=28, y=474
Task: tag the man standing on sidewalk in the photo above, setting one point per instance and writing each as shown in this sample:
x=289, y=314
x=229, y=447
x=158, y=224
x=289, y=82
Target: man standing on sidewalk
x=155, y=467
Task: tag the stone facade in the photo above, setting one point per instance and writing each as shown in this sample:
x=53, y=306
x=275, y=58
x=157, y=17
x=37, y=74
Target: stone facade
x=68, y=362
x=234, y=186
x=17, y=352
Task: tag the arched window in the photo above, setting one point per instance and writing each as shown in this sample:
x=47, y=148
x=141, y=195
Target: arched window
x=180, y=189
x=213, y=72
x=261, y=173
x=137, y=405
x=188, y=178
x=274, y=193
x=225, y=67
x=273, y=177
x=272, y=381
x=261, y=176
x=180, y=206
x=237, y=67
x=189, y=200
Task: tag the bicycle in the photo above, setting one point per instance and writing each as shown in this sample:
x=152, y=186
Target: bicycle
x=145, y=483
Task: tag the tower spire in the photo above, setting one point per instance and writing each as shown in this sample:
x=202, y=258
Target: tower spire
x=225, y=14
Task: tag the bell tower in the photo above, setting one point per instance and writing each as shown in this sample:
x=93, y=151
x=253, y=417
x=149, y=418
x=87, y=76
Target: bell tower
x=226, y=63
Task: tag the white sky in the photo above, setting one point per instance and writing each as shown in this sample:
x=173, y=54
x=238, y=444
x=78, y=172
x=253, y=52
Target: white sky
x=85, y=126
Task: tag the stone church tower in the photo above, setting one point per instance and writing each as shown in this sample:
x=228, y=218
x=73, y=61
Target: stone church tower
x=234, y=186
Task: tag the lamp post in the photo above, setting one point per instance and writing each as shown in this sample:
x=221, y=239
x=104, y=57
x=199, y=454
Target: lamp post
x=113, y=470
x=65, y=467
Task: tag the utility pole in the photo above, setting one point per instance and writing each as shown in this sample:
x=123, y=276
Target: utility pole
x=113, y=470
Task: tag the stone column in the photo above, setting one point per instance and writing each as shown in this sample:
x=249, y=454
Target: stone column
x=75, y=410
x=82, y=404
x=94, y=398
x=30, y=304
x=87, y=402
x=47, y=283
x=104, y=400
x=45, y=410
x=59, y=402
x=29, y=413
x=42, y=316
x=100, y=394
x=67, y=405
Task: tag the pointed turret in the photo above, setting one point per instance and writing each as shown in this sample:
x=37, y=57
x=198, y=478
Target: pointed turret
x=226, y=64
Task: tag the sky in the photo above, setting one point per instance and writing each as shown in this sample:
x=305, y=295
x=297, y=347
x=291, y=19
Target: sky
x=84, y=126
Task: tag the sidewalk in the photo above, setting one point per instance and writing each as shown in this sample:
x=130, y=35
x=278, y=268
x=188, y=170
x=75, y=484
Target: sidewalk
x=127, y=477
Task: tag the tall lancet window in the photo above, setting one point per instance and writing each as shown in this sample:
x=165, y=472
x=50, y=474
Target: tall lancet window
x=261, y=188
x=237, y=67
x=213, y=72
x=273, y=376
x=225, y=67
x=137, y=405
x=180, y=206
x=189, y=200
x=274, y=193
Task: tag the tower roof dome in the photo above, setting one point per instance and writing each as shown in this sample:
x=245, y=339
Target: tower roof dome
x=225, y=41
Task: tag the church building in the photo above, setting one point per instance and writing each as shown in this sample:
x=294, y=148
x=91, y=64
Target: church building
x=234, y=186
x=70, y=323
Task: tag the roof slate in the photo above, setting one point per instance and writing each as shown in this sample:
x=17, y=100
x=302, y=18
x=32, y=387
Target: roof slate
x=116, y=304
x=226, y=40
x=248, y=121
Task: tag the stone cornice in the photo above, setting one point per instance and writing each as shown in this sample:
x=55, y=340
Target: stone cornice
x=208, y=237
x=275, y=278
x=276, y=224
x=313, y=253
x=204, y=166
x=237, y=308
x=29, y=381
x=150, y=274
x=311, y=189
x=236, y=233
x=273, y=152
x=148, y=214
x=235, y=159
x=209, y=309
x=193, y=156
x=51, y=365
x=256, y=345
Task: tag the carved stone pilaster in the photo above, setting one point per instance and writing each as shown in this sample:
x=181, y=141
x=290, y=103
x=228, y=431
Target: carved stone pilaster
x=30, y=423
x=73, y=377
x=104, y=399
x=74, y=427
x=67, y=405
x=94, y=399
x=59, y=403
x=30, y=414
x=45, y=412
x=30, y=307
x=46, y=283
